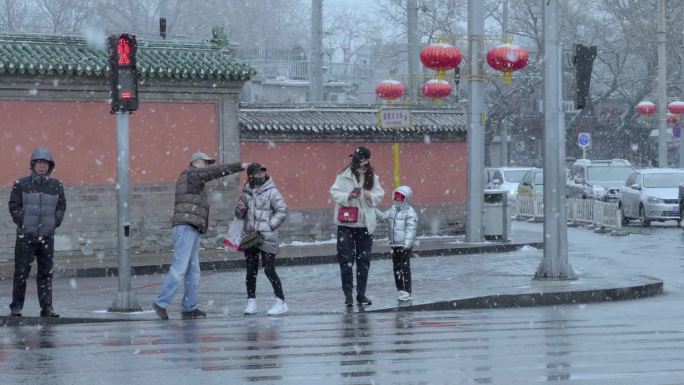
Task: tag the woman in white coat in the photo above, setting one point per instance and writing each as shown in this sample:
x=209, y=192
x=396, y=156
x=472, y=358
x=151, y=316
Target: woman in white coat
x=356, y=193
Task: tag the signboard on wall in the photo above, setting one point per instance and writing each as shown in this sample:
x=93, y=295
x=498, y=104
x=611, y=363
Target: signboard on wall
x=394, y=117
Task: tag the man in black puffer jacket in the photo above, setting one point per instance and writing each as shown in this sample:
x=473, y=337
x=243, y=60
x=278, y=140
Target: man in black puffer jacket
x=37, y=205
x=190, y=219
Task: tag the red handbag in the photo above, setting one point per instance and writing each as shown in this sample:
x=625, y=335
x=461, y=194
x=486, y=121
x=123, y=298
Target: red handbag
x=348, y=214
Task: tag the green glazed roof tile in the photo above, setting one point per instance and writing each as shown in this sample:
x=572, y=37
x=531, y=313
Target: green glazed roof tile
x=31, y=55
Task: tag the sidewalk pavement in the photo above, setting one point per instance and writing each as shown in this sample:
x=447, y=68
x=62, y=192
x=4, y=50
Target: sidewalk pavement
x=299, y=253
x=447, y=274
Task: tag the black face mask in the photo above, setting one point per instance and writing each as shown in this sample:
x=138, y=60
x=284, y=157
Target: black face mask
x=356, y=163
x=257, y=181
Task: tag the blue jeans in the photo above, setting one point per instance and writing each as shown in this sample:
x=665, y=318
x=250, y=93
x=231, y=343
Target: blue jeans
x=184, y=264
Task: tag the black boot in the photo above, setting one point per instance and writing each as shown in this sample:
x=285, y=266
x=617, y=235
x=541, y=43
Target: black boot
x=197, y=313
x=48, y=312
x=361, y=299
x=161, y=312
x=348, y=300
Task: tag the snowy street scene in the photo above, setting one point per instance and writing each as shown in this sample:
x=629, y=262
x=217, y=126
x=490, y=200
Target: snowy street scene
x=341, y=192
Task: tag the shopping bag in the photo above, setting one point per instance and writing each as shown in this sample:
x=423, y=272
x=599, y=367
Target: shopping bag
x=233, y=239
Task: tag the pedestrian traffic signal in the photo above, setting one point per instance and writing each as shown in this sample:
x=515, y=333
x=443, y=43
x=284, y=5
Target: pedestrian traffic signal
x=584, y=61
x=123, y=73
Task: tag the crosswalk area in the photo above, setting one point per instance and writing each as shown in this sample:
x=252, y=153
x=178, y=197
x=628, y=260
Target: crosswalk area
x=592, y=344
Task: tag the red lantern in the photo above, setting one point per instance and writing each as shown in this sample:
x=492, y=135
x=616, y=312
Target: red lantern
x=676, y=107
x=389, y=90
x=646, y=108
x=436, y=89
x=508, y=58
x=441, y=57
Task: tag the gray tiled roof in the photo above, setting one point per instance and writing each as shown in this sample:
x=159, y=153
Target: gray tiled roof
x=340, y=120
x=32, y=55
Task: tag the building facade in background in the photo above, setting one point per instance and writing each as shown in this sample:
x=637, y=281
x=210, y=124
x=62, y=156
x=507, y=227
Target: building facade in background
x=54, y=92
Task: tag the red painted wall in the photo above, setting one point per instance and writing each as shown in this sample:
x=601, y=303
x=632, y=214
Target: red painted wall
x=304, y=172
x=82, y=139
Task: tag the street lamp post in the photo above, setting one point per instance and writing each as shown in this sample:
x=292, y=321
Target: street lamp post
x=661, y=87
x=504, y=122
x=476, y=117
x=316, y=51
x=412, y=44
x=555, y=263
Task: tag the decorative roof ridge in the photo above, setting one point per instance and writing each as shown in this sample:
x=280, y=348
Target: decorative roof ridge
x=347, y=108
x=72, y=40
x=285, y=109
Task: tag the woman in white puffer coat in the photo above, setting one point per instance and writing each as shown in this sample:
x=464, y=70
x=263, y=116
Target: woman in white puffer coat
x=263, y=209
x=356, y=192
x=403, y=222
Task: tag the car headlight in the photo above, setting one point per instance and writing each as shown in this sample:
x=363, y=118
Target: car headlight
x=654, y=200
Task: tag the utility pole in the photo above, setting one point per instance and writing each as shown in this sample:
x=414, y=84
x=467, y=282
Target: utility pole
x=412, y=48
x=504, y=122
x=316, y=51
x=476, y=117
x=662, y=87
x=555, y=263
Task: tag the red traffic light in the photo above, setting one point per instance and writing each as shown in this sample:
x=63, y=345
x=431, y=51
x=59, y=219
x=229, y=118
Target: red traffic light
x=123, y=72
x=123, y=50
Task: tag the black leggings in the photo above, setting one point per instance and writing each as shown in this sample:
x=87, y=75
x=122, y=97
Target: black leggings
x=268, y=262
x=401, y=263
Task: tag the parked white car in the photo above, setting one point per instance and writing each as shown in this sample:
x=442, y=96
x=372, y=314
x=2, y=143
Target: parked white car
x=506, y=178
x=598, y=179
x=651, y=195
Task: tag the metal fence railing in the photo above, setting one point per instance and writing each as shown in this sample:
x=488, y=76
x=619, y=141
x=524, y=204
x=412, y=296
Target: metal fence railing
x=602, y=215
x=580, y=210
x=607, y=214
x=530, y=207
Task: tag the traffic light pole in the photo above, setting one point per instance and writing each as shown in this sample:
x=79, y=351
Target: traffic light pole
x=125, y=301
x=555, y=264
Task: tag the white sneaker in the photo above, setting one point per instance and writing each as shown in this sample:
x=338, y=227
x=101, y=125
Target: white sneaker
x=251, y=307
x=279, y=307
x=404, y=296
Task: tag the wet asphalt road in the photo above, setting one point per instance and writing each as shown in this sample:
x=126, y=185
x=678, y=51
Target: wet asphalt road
x=633, y=342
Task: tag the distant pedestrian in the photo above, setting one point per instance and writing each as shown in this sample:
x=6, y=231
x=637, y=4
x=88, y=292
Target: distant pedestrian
x=356, y=192
x=263, y=210
x=190, y=219
x=403, y=222
x=37, y=205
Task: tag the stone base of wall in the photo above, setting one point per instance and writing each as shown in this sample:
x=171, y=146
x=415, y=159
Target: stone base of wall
x=89, y=227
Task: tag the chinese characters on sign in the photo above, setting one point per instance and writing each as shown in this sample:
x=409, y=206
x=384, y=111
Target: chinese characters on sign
x=394, y=117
